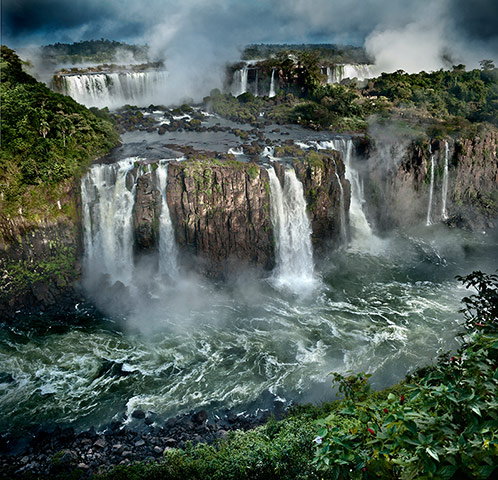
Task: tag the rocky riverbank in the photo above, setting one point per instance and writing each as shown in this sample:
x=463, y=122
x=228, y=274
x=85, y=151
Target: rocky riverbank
x=142, y=437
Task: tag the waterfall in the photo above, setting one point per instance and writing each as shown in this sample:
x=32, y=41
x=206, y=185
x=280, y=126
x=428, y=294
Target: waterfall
x=344, y=235
x=294, y=255
x=107, y=220
x=256, y=93
x=167, y=245
x=362, y=236
x=337, y=73
x=330, y=75
x=431, y=190
x=272, y=84
x=114, y=89
x=444, y=213
x=244, y=72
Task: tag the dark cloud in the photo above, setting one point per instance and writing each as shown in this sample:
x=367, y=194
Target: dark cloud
x=477, y=18
x=26, y=21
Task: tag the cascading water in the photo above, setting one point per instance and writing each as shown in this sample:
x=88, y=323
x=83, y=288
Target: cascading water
x=244, y=73
x=256, y=88
x=362, y=236
x=167, y=245
x=114, y=89
x=294, y=254
x=444, y=193
x=431, y=190
x=107, y=220
x=108, y=197
x=272, y=93
x=337, y=73
x=344, y=235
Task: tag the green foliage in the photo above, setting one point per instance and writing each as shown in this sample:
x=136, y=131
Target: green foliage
x=47, y=138
x=326, y=52
x=472, y=95
x=277, y=450
x=443, y=423
x=22, y=275
x=94, y=51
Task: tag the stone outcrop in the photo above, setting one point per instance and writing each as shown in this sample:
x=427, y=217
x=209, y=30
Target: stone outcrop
x=317, y=172
x=221, y=212
x=39, y=266
x=146, y=212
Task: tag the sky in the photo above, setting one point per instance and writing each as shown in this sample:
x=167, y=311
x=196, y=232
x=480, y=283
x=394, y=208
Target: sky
x=198, y=36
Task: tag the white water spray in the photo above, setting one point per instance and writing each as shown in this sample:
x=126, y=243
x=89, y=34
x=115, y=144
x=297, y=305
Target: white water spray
x=344, y=235
x=114, y=89
x=167, y=246
x=272, y=84
x=338, y=73
x=362, y=237
x=107, y=220
x=431, y=190
x=444, y=195
x=294, y=254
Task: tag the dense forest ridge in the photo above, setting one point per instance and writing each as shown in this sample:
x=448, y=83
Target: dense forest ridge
x=329, y=53
x=94, y=51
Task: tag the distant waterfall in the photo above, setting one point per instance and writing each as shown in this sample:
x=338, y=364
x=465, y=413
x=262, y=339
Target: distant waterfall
x=256, y=88
x=431, y=191
x=344, y=235
x=444, y=194
x=272, y=84
x=294, y=254
x=107, y=220
x=113, y=89
x=338, y=73
x=167, y=246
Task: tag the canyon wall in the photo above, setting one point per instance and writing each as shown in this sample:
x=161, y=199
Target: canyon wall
x=398, y=181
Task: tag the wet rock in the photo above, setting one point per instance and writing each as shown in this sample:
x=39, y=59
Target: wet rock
x=100, y=443
x=200, y=417
x=138, y=414
x=146, y=213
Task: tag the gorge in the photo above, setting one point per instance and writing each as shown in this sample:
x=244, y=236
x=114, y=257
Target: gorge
x=207, y=264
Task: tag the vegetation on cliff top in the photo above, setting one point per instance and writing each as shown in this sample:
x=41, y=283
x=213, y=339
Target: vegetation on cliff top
x=47, y=140
x=440, y=103
x=94, y=51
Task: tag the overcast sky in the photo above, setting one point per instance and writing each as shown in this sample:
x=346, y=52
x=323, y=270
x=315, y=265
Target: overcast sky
x=197, y=36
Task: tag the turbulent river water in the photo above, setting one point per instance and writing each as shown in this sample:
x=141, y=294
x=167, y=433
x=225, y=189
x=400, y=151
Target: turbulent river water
x=196, y=344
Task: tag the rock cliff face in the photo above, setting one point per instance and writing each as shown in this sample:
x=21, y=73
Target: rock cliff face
x=399, y=183
x=146, y=212
x=39, y=265
x=323, y=194
x=221, y=212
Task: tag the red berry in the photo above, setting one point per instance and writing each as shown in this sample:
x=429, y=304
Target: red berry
x=371, y=431
x=386, y=410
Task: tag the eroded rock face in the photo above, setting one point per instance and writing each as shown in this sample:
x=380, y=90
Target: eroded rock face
x=398, y=187
x=221, y=211
x=146, y=212
x=323, y=195
x=39, y=265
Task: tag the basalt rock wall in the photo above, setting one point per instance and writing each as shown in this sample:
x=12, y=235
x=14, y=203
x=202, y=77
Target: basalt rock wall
x=398, y=182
